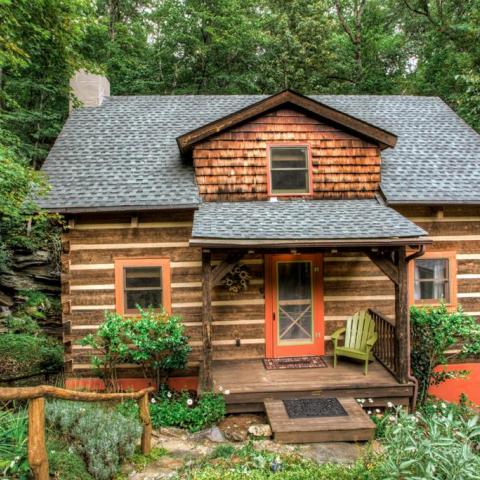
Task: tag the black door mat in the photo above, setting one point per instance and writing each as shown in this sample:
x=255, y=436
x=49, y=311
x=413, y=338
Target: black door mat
x=314, y=407
x=293, y=362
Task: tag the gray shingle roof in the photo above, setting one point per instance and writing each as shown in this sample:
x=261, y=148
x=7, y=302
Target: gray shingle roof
x=301, y=220
x=124, y=153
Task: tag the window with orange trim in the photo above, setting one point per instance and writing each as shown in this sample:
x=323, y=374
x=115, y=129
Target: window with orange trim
x=143, y=282
x=433, y=279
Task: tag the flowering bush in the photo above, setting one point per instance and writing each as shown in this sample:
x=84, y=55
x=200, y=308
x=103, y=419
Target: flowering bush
x=182, y=410
x=155, y=341
x=441, y=445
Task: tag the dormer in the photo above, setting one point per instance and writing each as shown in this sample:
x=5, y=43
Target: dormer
x=286, y=146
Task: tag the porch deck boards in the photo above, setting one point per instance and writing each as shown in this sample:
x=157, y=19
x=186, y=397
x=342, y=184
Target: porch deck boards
x=354, y=427
x=250, y=384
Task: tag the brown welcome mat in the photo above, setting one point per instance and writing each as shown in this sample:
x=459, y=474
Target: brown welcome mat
x=293, y=362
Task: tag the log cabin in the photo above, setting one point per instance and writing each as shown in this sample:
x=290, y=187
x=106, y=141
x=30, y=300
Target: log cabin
x=266, y=222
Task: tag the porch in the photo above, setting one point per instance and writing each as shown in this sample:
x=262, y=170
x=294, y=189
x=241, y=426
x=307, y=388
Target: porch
x=249, y=384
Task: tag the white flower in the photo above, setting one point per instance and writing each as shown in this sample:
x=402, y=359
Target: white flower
x=444, y=405
x=227, y=392
x=370, y=400
x=220, y=388
x=369, y=412
x=361, y=400
x=389, y=404
x=434, y=407
x=391, y=418
x=377, y=410
x=169, y=394
x=189, y=402
x=153, y=400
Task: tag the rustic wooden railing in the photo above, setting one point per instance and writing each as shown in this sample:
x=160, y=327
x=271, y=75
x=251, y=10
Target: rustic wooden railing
x=384, y=349
x=37, y=451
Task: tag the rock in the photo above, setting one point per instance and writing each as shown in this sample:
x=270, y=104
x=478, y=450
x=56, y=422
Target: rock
x=236, y=435
x=173, y=432
x=5, y=300
x=40, y=257
x=260, y=430
x=333, y=452
x=213, y=434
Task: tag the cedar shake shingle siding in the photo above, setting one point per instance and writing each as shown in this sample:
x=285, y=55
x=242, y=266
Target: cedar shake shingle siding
x=233, y=165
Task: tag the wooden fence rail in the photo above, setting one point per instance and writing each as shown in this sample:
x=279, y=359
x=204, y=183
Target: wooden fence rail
x=37, y=450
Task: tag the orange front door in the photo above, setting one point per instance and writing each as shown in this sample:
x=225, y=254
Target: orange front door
x=294, y=305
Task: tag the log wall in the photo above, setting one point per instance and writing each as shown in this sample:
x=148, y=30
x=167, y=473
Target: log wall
x=233, y=165
x=351, y=280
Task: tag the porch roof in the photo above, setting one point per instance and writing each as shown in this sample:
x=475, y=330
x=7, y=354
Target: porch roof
x=303, y=223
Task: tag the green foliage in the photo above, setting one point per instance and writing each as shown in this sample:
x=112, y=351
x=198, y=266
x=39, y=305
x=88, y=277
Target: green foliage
x=64, y=463
x=247, y=462
x=111, y=341
x=13, y=444
x=440, y=445
x=22, y=224
x=434, y=331
x=141, y=460
x=24, y=354
x=181, y=410
x=155, y=341
x=158, y=343
x=35, y=306
x=103, y=437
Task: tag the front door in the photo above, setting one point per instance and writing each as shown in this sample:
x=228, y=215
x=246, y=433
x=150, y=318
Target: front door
x=294, y=305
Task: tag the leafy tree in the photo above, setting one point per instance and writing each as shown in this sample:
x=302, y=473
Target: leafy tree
x=22, y=224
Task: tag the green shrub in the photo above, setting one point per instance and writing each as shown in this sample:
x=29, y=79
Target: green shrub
x=102, y=436
x=434, y=331
x=64, y=462
x=111, y=341
x=246, y=462
x=180, y=410
x=440, y=445
x=158, y=343
x=155, y=341
x=24, y=354
x=13, y=445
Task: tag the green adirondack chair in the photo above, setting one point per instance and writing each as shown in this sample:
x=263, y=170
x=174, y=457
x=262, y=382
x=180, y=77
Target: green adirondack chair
x=360, y=337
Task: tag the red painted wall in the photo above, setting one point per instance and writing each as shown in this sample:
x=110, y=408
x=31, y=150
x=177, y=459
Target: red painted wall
x=452, y=389
x=130, y=384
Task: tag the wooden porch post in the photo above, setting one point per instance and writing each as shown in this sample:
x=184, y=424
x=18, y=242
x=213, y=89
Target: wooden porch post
x=401, y=317
x=206, y=380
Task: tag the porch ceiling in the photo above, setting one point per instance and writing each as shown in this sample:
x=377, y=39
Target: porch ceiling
x=303, y=223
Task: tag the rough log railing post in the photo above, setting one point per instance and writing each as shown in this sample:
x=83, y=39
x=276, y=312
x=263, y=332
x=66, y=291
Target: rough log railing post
x=146, y=422
x=206, y=380
x=401, y=318
x=37, y=449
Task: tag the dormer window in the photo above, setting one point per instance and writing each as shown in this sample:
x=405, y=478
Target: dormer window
x=289, y=170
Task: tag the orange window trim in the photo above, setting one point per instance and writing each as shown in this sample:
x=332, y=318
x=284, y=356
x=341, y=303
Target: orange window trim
x=451, y=256
x=121, y=263
x=309, y=165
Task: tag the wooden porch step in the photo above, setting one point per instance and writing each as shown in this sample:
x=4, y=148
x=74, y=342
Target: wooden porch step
x=355, y=426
